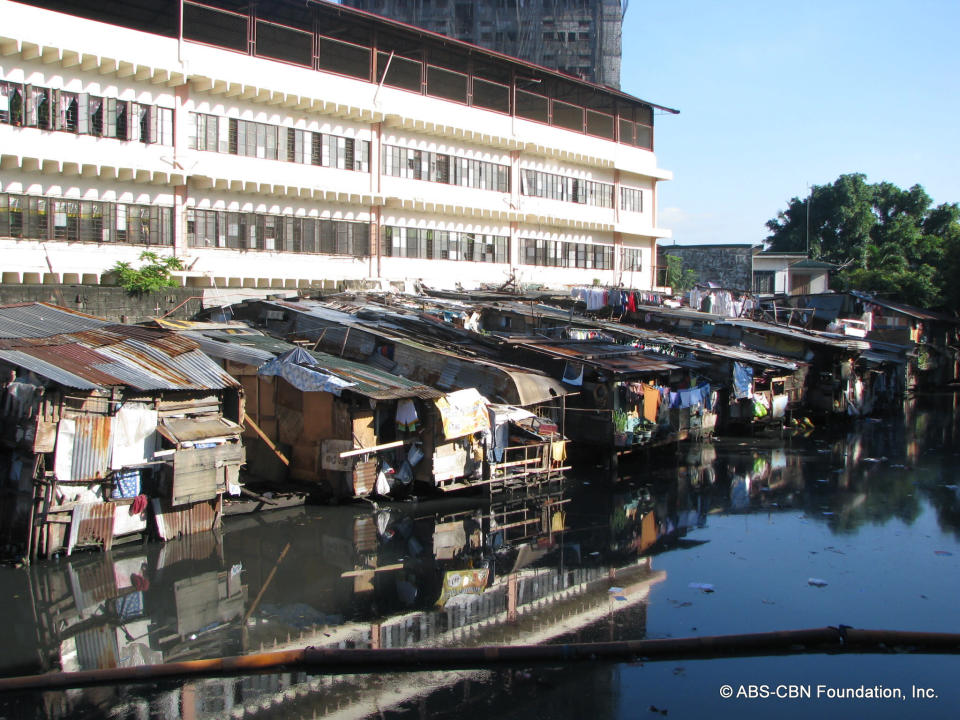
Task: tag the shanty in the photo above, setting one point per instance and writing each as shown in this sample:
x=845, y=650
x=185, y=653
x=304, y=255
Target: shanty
x=111, y=431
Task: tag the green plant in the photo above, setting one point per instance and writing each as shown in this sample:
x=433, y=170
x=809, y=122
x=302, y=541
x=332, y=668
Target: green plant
x=154, y=274
x=619, y=421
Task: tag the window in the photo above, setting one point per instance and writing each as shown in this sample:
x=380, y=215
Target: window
x=565, y=188
x=69, y=220
x=764, y=281
x=631, y=199
x=438, y=167
x=11, y=103
x=632, y=261
x=443, y=245
x=276, y=233
x=560, y=253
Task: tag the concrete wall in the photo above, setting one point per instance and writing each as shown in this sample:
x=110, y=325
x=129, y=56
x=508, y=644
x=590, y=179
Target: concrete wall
x=730, y=267
x=111, y=303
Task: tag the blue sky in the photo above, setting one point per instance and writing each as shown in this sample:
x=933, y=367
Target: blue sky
x=777, y=96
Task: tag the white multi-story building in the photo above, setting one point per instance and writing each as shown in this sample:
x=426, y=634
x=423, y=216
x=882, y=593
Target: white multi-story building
x=301, y=141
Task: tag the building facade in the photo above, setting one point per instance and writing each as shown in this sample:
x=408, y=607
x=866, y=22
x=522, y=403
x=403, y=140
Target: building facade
x=294, y=141
x=577, y=37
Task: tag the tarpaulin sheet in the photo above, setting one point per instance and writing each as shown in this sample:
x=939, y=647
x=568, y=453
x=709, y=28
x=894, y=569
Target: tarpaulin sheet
x=463, y=412
x=742, y=381
x=299, y=369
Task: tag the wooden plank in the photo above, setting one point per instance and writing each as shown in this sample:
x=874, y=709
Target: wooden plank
x=198, y=471
x=374, y=448
x=263, y=436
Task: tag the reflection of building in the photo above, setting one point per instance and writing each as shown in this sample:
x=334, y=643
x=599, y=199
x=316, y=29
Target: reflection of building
x=572, y=36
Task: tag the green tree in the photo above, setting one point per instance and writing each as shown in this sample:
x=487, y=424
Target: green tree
x=154, y=274
x=882, y=238
x=678, y=278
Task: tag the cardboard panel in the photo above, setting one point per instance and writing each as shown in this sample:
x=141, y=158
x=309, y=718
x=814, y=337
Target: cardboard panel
x=289, y=425
x=330, y=455
x=318, y=416
x=289, y=396
x=267, y=399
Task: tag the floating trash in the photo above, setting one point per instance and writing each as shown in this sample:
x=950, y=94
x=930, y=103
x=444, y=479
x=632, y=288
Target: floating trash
x=942, y=552
x=816, y=582
x=704, y=587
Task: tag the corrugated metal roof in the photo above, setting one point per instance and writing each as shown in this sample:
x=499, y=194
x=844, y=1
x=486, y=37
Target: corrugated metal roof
x=618, y=359
x=45, y=369
x=43, y=320
x=372, y=381
x=106, y=355
x=235, y=352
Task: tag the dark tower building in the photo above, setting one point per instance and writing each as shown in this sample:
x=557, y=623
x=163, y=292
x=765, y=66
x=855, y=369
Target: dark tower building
x=578, y=37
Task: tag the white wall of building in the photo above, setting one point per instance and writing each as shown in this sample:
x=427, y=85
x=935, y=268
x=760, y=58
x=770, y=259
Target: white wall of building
x=72, y=54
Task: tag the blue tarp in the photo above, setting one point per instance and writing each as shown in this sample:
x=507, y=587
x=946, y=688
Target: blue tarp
x=301, y=370
x=742, y=381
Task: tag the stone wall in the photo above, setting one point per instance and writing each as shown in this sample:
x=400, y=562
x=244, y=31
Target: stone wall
x=731, y=267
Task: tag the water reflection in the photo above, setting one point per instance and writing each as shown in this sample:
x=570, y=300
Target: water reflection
x=569, y=563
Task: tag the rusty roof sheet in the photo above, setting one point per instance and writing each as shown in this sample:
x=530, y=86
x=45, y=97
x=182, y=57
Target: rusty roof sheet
x=109, y=355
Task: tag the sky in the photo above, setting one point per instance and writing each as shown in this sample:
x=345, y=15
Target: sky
x=777, y=96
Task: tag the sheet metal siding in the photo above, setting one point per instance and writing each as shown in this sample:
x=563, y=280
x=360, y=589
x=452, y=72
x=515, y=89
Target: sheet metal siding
x=92, y=447
x=190, y=520
x=41, y=320
x=94, y=524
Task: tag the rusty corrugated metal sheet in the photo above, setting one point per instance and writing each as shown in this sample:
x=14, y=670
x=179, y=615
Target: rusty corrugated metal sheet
x=185, y=520
x=92, y=445
x=46, y=369
x=102, y=356
x=364, y=477
x=92, y=524
x=77, y=360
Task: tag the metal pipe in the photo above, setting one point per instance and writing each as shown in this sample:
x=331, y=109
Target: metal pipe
x=335, y=660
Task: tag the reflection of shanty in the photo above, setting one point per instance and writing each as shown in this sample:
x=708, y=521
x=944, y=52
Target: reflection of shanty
x=525, y=608
x=102, y=611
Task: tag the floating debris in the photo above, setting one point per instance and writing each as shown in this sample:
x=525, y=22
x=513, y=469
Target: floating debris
x=942, y=552
x=704, y=587
x=816, y=582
